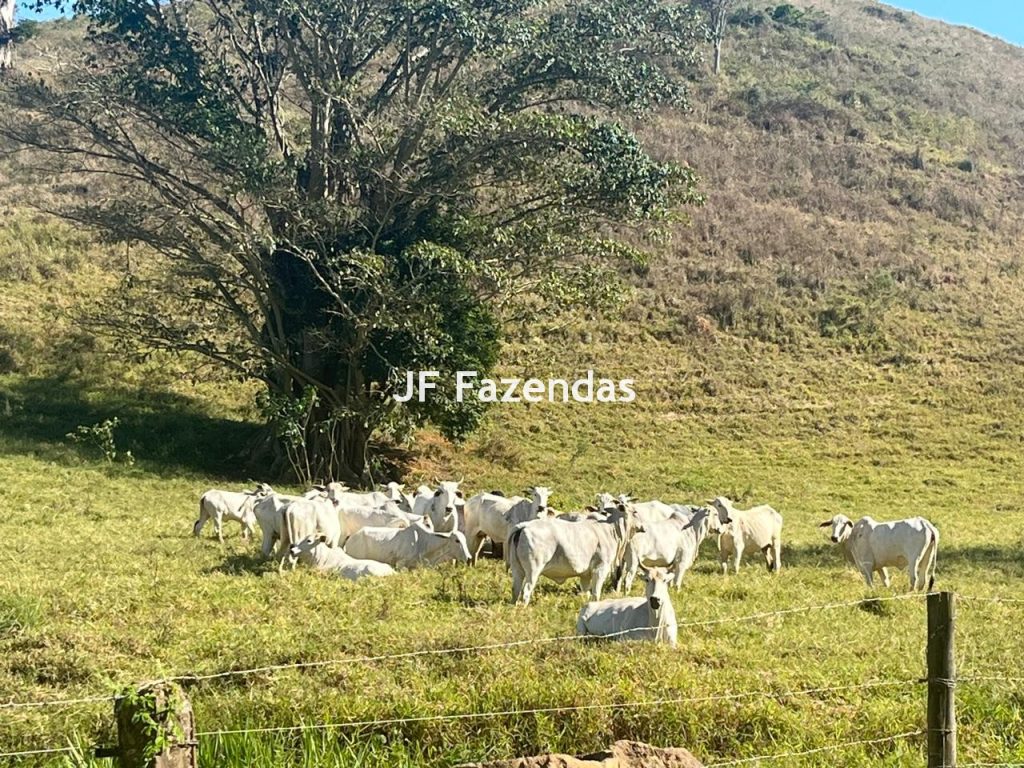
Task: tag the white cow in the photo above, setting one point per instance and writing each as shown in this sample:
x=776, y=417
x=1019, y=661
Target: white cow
x=490, y=516
x=396, y=493
x=315, y=553
x=671, y=544
x=873, y=547
x=408, y=547
x=343, y=496
x=562, y=550
x=230, y=505
x=650, y=617
x=356, y=518
x=649, y=511
x=269, y=512
x=748, y=530
x=441, y=506
x=309, y=517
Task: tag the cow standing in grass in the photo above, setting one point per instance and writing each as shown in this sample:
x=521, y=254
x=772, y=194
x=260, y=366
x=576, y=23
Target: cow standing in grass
x=874, y=547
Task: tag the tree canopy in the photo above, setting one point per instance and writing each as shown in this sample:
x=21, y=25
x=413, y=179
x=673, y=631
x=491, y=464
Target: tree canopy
x=338, y=191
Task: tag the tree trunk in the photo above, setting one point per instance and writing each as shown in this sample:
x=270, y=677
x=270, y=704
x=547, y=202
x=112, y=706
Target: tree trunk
x=6, y=38
x=336, y=450
x=718, y=55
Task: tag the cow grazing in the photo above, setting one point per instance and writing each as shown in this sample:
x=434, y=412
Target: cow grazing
x=314, y=552
x=671, y=544
x=747, y=530
x=408, y=547
x=219, y=506
x=562, y=550
x=650, y=617
x=873, y=547
x=490, y=516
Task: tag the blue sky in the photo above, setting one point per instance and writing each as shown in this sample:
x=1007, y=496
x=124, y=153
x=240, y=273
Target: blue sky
x=1002, y=18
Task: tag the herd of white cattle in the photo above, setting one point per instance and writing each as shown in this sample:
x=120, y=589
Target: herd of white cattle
x=354, y=534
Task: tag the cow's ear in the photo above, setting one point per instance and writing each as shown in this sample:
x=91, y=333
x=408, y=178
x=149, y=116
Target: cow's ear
x=321, y=539
x=590, y=508
x=849, y=523
x=826, y=524
x=460, y=494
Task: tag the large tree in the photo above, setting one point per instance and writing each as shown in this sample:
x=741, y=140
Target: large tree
x=338, y=191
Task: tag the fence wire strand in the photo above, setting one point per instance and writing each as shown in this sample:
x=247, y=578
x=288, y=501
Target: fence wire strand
x=514, y=643
x=829, y=748
x=568, y=708
x=38, y=752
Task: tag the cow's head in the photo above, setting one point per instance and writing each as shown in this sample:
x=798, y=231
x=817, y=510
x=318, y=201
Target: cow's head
x=448, y=497
x=304, y=549
x=333, y=491
x=723, y=506
x=656, y=589
x=540, y=495
x=841, y=527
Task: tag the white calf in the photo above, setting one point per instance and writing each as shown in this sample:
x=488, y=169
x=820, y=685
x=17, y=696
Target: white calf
x=315, y=553
x=873, y=547
x=228, y=505
x=747, y=530
x=489, y=516
x=671, y=544
x=650, y=617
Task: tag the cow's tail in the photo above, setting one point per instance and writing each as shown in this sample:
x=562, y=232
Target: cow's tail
x=287, y=537
x=198, y=526
x=931, y=555
x=511, y=542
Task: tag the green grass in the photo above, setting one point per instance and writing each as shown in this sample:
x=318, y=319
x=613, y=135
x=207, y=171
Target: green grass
x=104, y=586
x=916, y=409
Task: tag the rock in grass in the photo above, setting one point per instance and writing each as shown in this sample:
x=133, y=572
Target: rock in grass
x=623, y=754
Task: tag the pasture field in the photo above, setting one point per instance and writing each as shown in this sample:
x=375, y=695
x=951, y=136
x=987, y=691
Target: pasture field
x=837, y=330
x=103, y=585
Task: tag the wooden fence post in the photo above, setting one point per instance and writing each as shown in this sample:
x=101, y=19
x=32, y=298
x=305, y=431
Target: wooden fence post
x=941, y=681
x=156, y=728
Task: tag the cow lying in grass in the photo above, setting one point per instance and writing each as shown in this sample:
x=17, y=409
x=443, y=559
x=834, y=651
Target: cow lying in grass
x=314, y=552
x=650, y=617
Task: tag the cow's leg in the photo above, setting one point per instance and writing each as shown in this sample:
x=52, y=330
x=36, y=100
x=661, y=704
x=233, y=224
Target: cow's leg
x=885, y=576
x=912, y=574
x=597, y=579
x=766, y=550
x=737, y=557
x=479, y=541
x=628, y=572
x=868, y=575
x=268, y=543
x=218, y=523
x=677, y=575
x=776, y=555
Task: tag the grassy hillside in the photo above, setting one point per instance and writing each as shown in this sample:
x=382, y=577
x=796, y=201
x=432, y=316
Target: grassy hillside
x=837, y=330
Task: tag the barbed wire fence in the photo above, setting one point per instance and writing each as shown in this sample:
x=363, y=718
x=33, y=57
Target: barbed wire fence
x=941, y=682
